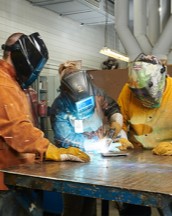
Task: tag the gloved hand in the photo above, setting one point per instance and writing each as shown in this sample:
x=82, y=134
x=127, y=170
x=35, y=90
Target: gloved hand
x=125, y=144
x=65, y=154
x=121, y=145
x=114, y=147
x=163, y=148
x=115, y=128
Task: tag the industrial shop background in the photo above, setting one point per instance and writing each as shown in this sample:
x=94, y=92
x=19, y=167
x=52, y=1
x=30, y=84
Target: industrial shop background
x=75, y=30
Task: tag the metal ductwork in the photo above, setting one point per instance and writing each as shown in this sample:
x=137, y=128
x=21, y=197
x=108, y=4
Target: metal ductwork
x=153, y=29
x=85, y=12
x=129, y=42
x=140, y=25
x=162, y=47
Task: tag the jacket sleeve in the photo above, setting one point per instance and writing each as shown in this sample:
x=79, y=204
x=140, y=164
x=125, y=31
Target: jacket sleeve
x=17, y=129
x=109, y=105
x=124, y=101
x=64, y=134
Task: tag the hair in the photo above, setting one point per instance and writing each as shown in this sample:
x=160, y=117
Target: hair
x=69, y=67
x=11, y=40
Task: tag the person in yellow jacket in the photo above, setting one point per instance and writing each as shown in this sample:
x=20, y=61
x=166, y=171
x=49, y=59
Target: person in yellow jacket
x=145, y=103
x=20, y=142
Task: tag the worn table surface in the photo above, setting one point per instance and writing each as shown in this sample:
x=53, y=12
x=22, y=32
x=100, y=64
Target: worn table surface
x=140, y=178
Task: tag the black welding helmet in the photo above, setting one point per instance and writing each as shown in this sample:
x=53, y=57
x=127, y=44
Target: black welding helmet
x=77, y=91
x=29, y=55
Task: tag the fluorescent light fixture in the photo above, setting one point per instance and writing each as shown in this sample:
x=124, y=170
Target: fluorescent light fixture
x=112, y=53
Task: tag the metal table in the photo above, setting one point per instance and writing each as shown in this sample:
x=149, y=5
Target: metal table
x=139, y=178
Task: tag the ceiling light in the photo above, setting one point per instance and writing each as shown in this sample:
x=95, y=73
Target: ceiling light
x=105, y=50
x=114, y=54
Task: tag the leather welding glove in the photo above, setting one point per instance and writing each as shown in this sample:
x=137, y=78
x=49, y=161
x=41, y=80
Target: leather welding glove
x=125, y=144
x=122, y=139
x=163, y=148
x=65, y=154
x=114, y=147
x=121, y=144
x=116, y=122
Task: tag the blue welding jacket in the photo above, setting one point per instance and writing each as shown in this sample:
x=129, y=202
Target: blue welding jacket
x=63, y=125
x=73, y=128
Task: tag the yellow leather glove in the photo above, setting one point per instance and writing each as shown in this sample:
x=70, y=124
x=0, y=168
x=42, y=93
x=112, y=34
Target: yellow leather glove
x=115, y=127
x=121, y=144
x=65, y=154
x=163, y=148
x=125, y=144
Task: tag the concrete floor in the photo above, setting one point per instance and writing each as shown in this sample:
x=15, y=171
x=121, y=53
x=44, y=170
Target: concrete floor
x=113, y=211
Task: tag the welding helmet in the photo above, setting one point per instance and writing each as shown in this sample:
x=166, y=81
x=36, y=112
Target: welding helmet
x=77, y=91
x=147, y=80
x=29, y=55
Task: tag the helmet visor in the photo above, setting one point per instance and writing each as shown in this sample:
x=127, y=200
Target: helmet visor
x=29, y=55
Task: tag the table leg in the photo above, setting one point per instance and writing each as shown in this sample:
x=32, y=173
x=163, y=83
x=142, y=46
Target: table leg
x=105, y=208
x=165, y=211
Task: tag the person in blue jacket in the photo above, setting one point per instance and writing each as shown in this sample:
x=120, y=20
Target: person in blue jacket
x=78, y=116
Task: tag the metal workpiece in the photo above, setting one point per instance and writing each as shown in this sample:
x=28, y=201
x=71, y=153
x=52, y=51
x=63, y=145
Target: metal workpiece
x=138, y=178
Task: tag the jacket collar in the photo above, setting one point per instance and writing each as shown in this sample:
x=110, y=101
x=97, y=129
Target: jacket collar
x=8, y=69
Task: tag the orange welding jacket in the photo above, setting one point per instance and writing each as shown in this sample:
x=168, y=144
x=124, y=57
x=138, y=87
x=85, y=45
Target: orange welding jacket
x=20, y=141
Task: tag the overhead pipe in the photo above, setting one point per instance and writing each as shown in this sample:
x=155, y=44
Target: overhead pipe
x=165, y=12
x=126, y=37
x=169, y=58
x=162, y=47
x=153, y=29
x=140, y=25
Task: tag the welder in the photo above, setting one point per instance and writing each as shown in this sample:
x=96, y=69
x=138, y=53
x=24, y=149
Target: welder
x=24, y=57
x=81, y=116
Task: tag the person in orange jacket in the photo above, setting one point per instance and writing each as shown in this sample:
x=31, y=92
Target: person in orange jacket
x=20, y=141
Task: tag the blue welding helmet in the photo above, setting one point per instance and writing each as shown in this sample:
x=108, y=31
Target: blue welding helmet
x=29, y=55
x=77, y=91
